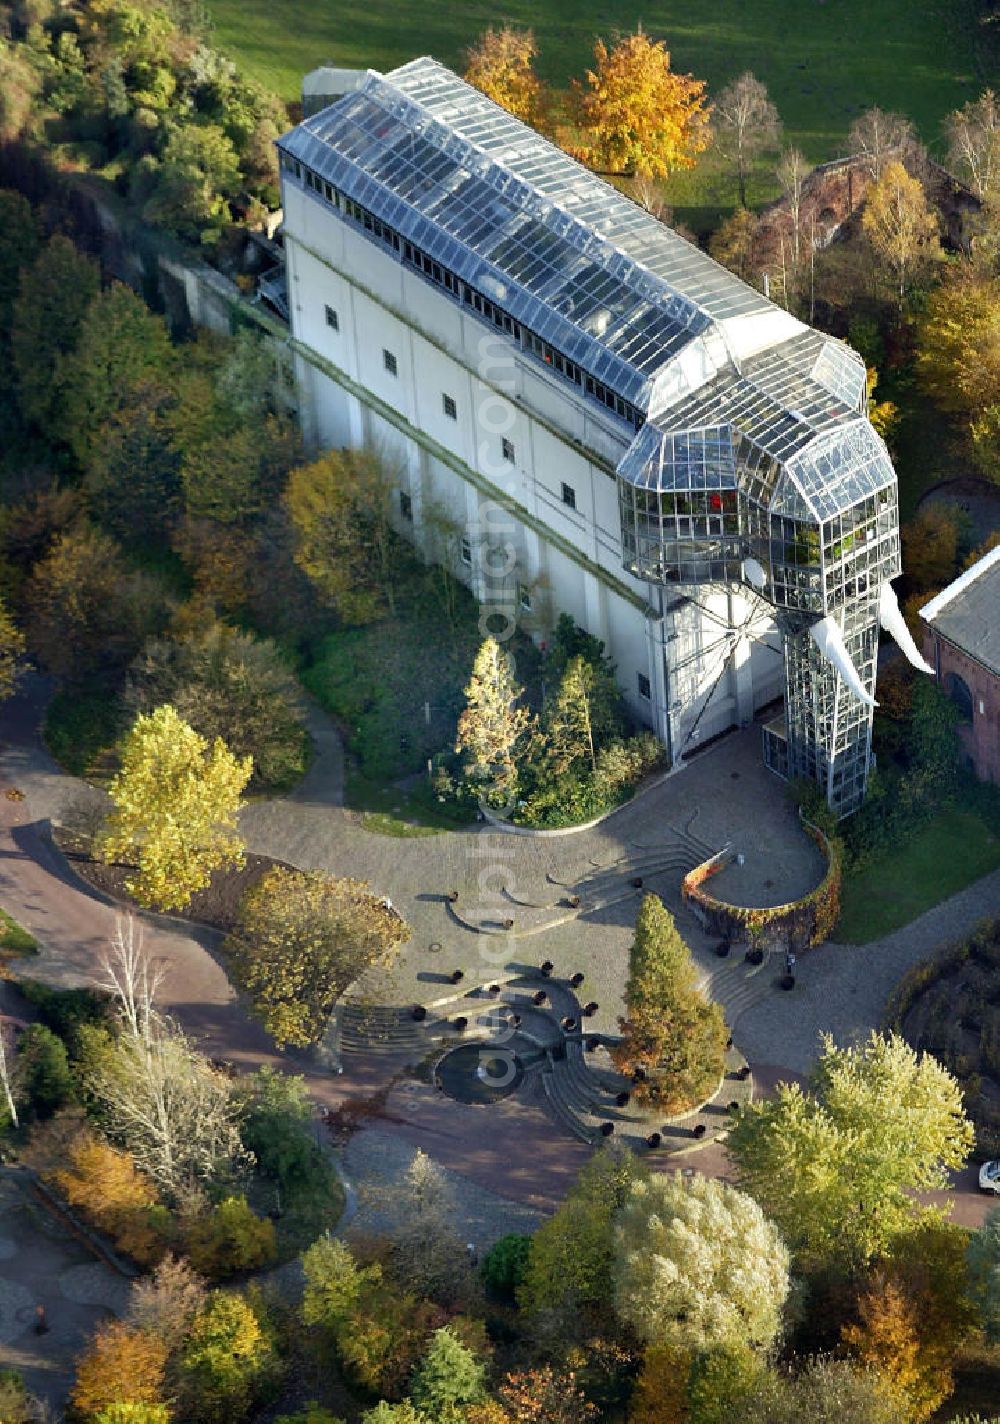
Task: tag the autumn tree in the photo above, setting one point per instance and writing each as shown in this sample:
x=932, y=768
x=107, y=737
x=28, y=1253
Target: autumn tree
x=670, y=1030
x=447, y=1378
x=660, y=1394
x=571, y=1255
x=176, y=802
x=86, y=611
x=900, y=226
x=132, y=475
x=500, y=64
x=121, y=347
x=427, y=1254
x=886, y=1338
x=494, y=725
x=745, y=124
x=836, y=1164
x=698, y=1264
x=973, y=135
x=958, y=357
x=545, y=1396
x=300, y=939
x=339, y=509
x=930, y=547
x=225, y=1360
x=733, y=241
x=877, y=138
x=12, y=646
x=230, y=1237
x=825, y=1391
x=54, y=296
x=227, y=684
x=194, y=181
x=638, y=116
x=165, y=1303
x=122, y=1365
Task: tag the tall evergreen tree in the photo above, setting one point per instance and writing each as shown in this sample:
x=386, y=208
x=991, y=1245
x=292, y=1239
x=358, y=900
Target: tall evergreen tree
x=448, y=1377
x=670, y=1030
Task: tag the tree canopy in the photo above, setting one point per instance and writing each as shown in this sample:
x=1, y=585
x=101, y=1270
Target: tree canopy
x=698, y=1264
x=835, y=1164
x=500, y=65
x=637, y=115
x=300, y=939
x=176, y=801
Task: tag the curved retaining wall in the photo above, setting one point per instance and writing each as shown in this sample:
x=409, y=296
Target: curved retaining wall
x=797, y=925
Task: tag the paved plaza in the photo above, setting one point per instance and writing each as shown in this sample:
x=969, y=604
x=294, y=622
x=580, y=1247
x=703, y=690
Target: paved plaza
x=43, y=1265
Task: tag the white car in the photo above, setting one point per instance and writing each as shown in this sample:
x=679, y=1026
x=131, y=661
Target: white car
x=989, y=1177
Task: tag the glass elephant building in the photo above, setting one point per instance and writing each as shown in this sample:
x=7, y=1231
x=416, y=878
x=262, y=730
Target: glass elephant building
x=772, y=476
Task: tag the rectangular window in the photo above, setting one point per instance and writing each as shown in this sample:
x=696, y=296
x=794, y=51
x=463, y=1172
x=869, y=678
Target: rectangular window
x=524, y=597
x=644, y=688
x=466, y=551
x=389, y=362
x=405, y=505
x=450, y=408
x=568, y=495
x=507, y=446
x=332, y=319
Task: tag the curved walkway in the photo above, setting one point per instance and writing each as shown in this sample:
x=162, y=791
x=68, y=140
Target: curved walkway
x=515, y=1150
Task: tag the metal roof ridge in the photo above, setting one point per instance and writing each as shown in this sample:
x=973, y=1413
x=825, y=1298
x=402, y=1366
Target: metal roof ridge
x=941, y=600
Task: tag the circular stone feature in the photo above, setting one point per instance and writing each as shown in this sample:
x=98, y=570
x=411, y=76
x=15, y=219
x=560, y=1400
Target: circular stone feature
x=480, y=1072
x=17, y=1310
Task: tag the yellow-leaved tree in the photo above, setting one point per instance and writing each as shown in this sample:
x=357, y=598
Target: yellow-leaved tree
x=500, y=65
x=900, y=225
x=176, y=800
x=639, y=117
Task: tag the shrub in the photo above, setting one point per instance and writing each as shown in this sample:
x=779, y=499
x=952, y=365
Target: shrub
x=45, y=1064
x=505, y=1263
x=229, y=1238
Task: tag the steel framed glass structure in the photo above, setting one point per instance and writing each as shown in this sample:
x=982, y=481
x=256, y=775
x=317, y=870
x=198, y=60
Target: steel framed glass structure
x=751, y=462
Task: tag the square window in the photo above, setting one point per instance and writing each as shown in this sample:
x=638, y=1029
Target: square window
x=450, y=408
x=466, y=551
x=389, y=362
x=644, y=687
x=507, y=446
x=332, y=319
x=568, y=495
x=405, y=505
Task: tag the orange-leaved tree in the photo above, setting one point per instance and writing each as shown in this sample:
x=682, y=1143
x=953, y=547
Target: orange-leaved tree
x=500, y=64
x=122, y=1366
x=639, y=117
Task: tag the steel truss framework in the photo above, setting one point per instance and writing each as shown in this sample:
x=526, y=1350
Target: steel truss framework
x=799, y=507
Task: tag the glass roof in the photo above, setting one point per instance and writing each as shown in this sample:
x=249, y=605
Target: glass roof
x=582, y=266
x=824, y=455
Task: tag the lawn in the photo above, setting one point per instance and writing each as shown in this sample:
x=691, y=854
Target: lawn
x=949, y=853
x=14, y=939
x=824, y=61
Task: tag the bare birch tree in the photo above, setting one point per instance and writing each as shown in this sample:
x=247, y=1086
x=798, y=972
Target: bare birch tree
x=6, y=1074
x=746, y=124
x=792, y=171
x=131, y=977
x=175, y=1114
x=973, y=134
x=878, y=137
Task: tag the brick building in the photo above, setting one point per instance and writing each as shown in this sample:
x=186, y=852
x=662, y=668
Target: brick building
x=962, y=641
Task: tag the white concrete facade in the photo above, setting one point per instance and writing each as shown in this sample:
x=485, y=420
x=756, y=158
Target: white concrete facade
x=505, y=472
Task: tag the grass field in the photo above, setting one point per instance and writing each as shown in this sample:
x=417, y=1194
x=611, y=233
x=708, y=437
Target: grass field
x=951, y=852
x=823, y=60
